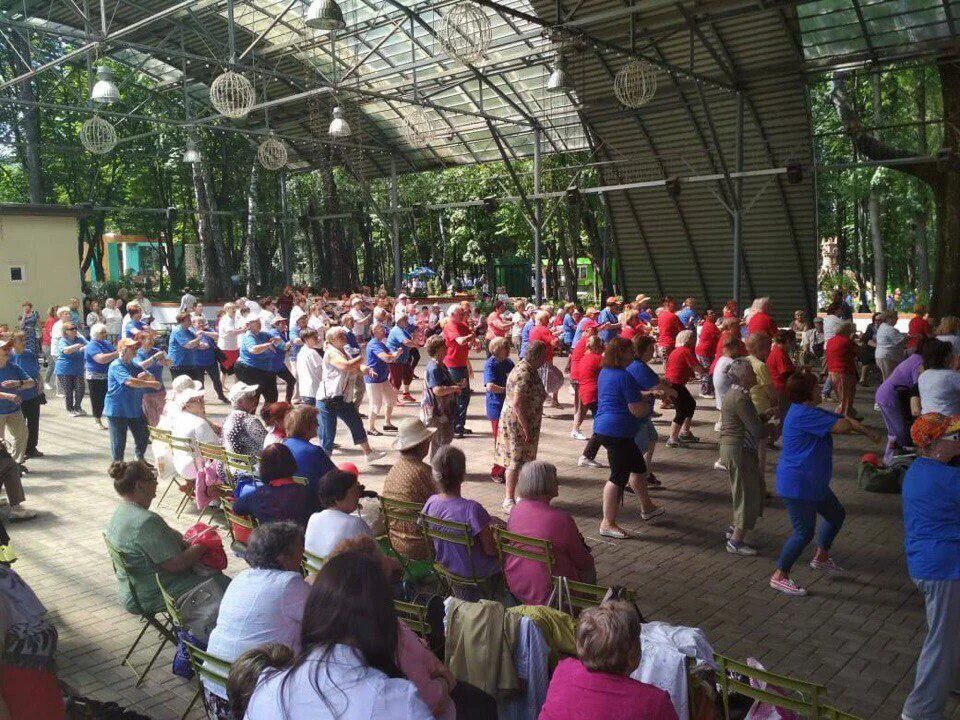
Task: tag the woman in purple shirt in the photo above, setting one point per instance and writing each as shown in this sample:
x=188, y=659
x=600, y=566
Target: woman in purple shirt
x=480, y=561
x=893, y=400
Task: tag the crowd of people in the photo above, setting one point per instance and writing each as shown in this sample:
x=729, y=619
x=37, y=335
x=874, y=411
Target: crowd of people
x=356, y=359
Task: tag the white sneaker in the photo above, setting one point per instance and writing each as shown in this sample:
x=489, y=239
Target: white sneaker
x=372, y=457
x=584, y=461
x=508, y=505
x=80, y=413
x=876, y=407
x=577, y=435
x=718, y=465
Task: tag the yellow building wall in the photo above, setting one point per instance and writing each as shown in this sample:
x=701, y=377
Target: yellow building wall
x=44, y=248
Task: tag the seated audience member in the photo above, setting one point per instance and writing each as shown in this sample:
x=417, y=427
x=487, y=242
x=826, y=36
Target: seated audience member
x=597, y=683
x=243, y=433
x=410, y=480
x=529, y=580
x=192, y=423
x=148, y=545
x=339, y=493
x=449, y=470
x=264, y=603
x=280, y=497
x=312, y=461
x=347, y=667
x=247, y=669
x=274, y=415
x=939, y=383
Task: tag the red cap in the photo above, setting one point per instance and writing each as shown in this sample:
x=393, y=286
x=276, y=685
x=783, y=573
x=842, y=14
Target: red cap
x=350, y=468
x=871, y=458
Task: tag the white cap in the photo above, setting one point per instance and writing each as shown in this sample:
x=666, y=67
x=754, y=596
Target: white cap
x=239, y=390
x=186, y=396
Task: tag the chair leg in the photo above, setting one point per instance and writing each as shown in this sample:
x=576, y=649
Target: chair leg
x=136, y=642
x=192, y=703
x=184, y=501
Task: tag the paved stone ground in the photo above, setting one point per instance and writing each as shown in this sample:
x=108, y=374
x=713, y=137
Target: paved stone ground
x=858, y=634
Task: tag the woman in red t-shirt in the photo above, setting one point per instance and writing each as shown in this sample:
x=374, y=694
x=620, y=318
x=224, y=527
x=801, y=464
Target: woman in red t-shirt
x=576, y=355
x=668, y=327
x=778, y=361
x=707, y=350
x=841, y=354
x=588, y=370
x=729, y=329
x=918, y=327
x=682, y=365
x=760, y=320
x=631, y=325
x=552, y=378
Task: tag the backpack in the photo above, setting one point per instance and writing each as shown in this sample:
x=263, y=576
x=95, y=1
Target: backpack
x=880, y=479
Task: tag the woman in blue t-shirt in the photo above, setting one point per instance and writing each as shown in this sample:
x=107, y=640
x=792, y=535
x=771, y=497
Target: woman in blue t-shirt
x=256, y=358
x=803, y=478
x=181, y=348
x=69, y=367
x=205, y=355
x=620, y=405
x=97, y=356
x=381, y=395
x=495, y=373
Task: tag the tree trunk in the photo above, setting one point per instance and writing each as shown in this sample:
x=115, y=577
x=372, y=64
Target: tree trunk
x=873, y=203
x=569, y=259
x=212, y=260
x=251, y=247
x=922, y=264
x=839, y=213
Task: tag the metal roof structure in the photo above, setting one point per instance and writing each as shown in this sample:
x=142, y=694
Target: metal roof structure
x=699, y=170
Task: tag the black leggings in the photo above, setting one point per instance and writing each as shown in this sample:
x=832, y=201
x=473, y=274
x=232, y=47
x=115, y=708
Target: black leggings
x=265, y=380
x=98, y=391
x=31, y=413
x=213, y=371
x=684, y=404
x=289, y=379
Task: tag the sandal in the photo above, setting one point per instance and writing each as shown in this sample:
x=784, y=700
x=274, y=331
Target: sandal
x=374, y=433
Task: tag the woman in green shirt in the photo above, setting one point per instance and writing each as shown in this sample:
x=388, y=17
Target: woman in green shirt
x=148, y=545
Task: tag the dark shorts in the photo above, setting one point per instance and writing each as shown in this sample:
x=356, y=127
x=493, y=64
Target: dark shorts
x=625, y=458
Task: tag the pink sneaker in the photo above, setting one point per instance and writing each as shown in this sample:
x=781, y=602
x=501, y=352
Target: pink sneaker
x=787, y=587
x=828, y=566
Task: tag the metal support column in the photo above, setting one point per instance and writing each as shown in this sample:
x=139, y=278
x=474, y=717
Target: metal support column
x=286, y=249
x=738, y=205
x=537, y=216
x=395, y=227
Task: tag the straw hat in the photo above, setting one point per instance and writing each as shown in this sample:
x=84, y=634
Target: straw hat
x=239, y=390
x=410, y=433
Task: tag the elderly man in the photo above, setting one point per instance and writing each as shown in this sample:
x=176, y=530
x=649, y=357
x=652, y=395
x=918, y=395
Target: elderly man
x=608, y=318
x=459, y=337
x=931, y=519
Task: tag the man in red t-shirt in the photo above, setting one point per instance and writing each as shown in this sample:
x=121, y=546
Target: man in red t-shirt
x=761, y=321
x=459, y=337
x=669, y=326
x=918, y=327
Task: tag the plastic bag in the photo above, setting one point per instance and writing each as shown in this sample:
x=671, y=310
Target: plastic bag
x=202, y=534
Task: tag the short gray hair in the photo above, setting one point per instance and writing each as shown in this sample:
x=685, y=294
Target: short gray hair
x=538, y=479
x=683, y=337
x=608, y=637
x=449, y=467
x=269, y=541
x=736, y=371
x=98, y=330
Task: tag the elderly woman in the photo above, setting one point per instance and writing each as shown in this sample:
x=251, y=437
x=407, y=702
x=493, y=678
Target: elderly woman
x=550, y=376
x=280, y=496
x=518, y=435
x=651, y=387
x=97, y=355
x=14, y=381
x=181, y=347
x=939, y=384
x=127, y=383
x=804, y=472
x=597, y=683
x=949, y=331
x=587, y=371
x=741, y=432
x=889, y=344
x=112, y=318
x=439, y=405
x=760, y=319
x=273, y=585
x=28, y=361
x=893, y=399
x=243, y=432
x=256, y=358
x=335, y=394
x=480, y=560
x=148, y=545
x=381, y=395
x=339, y=492
x=69, y=368
x=529, y=580
x=229, y=330
x=410, y=480
x=192, y=423
x=274, y=417
x=841, y=354
x=496, y=370
x=312, y=461
x=152, y=359
x=681, y=366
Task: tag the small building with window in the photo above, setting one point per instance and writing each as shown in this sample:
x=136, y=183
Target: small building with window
x=38, y=257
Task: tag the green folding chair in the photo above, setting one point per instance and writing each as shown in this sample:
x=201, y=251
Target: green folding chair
x=401, y=512
x=523, y=546
x=831, y=713
x=439, y=530
x=240, y=526
x=239, y=463
x=585, y=595
x=149, y=620
x=734, y=676
x=415, y=617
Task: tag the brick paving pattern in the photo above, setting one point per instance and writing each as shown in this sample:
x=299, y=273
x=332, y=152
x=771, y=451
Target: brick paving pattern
x=859, y=634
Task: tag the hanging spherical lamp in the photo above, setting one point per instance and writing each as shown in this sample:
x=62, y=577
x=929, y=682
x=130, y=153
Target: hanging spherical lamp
x=190, y=152
x=98, y=135
x=105, y=90
x=339, y=127
x=418, y=127
x=635, y=84
x=272, y=153
x=232, y=95
x=324, y=15
x=465, y=31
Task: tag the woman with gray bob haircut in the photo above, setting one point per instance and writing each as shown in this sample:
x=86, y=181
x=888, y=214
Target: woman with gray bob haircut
x=741, y=432
x=273, y=586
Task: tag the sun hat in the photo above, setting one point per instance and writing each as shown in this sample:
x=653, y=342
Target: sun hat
x=239, y=390
x=929, y=428
x=182, y=398
x=182, y=383
x=127, y=342
x=410, y=433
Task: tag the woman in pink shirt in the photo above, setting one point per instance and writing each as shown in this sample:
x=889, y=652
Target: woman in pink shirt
x=597, y=683
x=529, y=580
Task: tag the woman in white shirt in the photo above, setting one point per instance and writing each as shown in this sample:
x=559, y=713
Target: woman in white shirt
x=229, y=331
x=949, y=331
x=347, y=668
x=191, y=423
x=112, y=319
x=318, y=320
x=939, y=384
x=262, y=604
x=339, y=493
x=890, y=343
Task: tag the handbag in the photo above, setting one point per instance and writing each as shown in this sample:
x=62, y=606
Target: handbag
x=199, y=607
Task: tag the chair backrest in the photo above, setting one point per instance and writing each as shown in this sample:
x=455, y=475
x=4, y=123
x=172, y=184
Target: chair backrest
x=439, y=530
x=208, y=666
x=120, y=569
x=399, y=511
x=158, y=434
x=182, y=444
x=244, y=523
x=522, y=546
x=210, y=451
x=238, y=462
x=735, y=676
x=312, y=562
x=414, y=615
x=170, y=603
x=584, y=595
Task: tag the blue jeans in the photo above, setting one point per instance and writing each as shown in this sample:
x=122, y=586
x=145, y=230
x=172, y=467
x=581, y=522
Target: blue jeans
x=463, y=399
x=803, y=516
x=118, y=436
x=329, y=411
